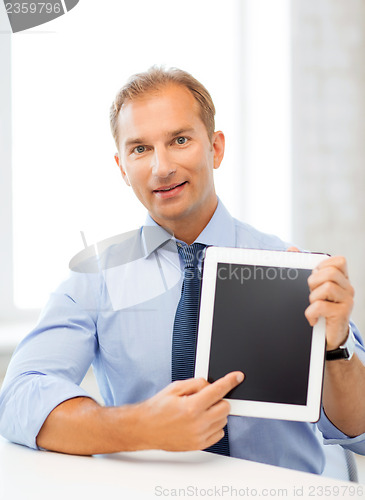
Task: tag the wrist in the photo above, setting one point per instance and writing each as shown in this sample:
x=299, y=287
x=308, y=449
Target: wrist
x=344, y=351
x=129, y=427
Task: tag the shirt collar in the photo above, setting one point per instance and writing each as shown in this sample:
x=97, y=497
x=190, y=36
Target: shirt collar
x=220, y=231
x=153, y=236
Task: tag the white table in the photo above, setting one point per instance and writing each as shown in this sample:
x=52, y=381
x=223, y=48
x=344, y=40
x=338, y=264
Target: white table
x=28, y=474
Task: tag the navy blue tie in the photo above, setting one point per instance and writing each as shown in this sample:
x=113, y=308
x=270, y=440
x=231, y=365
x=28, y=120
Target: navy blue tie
x=186, y=326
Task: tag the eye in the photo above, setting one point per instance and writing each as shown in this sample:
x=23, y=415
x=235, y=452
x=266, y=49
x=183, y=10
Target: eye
x=181, y=140
x=139, y=149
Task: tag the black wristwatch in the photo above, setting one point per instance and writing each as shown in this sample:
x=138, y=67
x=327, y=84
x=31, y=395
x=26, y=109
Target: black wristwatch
x=345, y=351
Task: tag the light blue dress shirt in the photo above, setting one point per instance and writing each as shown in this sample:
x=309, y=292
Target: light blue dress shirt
x=116, y=311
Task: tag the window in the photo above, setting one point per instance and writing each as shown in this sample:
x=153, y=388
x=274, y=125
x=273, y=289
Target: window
x=64, y=77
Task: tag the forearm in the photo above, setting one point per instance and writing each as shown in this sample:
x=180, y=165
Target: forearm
x=186, y=415
x=343, y=395
x=80, y=426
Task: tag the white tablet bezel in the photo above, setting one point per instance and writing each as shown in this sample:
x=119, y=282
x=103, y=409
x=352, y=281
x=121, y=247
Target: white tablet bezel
x=214, y=255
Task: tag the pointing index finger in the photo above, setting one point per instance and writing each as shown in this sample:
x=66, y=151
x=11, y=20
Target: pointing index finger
x=214, y=392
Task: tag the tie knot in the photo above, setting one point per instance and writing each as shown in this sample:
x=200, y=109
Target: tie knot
x=192, y=254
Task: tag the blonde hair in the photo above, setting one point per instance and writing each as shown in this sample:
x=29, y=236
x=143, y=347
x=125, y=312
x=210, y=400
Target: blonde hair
x=153, y=80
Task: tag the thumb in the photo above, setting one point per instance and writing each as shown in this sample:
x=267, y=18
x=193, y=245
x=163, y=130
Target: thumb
x=292, y=249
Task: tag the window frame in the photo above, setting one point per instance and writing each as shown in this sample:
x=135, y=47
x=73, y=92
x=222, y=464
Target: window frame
x=8, y=311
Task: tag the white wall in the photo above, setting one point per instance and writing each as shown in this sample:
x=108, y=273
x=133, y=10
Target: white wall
x=328, y=127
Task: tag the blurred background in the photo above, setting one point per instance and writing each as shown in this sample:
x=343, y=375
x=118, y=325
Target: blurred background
x=288, y=82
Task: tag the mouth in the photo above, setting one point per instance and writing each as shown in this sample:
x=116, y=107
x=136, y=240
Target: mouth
x=169, y=191
x=168, y=188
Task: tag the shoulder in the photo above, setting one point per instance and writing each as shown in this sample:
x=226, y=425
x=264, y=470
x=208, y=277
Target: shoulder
x=249, y=237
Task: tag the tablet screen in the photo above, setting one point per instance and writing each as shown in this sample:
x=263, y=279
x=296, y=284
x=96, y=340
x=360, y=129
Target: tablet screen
x=259, y=328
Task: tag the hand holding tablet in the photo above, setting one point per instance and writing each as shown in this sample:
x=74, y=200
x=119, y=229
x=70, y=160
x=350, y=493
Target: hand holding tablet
x=252, y=319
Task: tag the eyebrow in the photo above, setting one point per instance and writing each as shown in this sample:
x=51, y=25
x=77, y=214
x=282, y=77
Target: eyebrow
x=174, y=133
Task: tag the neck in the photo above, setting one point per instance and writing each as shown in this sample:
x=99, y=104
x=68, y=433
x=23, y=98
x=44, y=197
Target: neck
x=189, y=228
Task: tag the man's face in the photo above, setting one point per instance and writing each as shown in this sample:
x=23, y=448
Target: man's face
x=166, y=156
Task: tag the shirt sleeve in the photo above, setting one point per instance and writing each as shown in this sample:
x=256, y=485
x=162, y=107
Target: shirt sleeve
x=50, y=363
x=332, y=435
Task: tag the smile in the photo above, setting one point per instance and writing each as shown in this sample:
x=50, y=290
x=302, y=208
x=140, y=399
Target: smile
x=169, y=191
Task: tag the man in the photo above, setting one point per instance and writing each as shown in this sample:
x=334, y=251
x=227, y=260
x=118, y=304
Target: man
x=123, y=318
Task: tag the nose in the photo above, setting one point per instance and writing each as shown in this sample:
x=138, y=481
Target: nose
x=162, y=165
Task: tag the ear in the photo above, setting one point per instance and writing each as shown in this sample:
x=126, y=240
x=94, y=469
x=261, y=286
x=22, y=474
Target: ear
x=123, y=172
x=218, y=144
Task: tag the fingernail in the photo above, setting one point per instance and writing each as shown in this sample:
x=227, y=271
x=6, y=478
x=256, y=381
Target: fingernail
x=240, y=377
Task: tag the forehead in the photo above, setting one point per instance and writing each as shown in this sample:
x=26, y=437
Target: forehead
x=161, y=111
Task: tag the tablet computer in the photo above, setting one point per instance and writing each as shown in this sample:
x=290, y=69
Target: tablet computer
x=252, y=319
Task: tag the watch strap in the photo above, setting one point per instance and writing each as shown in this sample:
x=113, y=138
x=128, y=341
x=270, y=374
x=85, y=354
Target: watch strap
x=344, y=351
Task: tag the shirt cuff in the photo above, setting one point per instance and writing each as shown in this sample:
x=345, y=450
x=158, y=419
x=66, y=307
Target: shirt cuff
x=29, y=403
x=332, y=435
